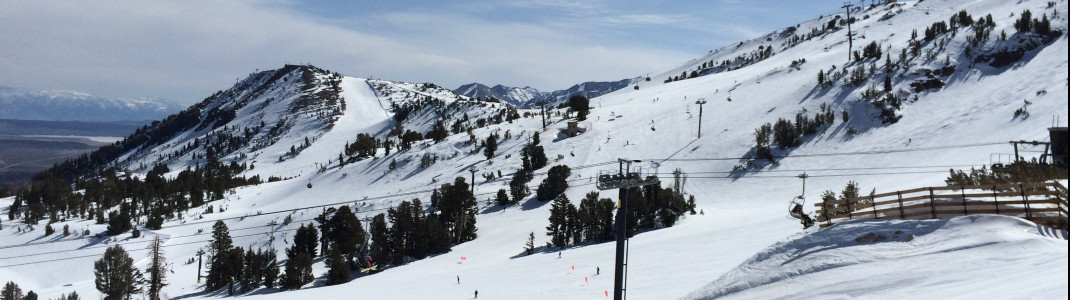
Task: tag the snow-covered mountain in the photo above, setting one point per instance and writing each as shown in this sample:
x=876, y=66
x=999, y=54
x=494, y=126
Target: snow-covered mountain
x=948, y=98
x=76, y=106
x=276, y=115
x=518, y=97
x=528, y=97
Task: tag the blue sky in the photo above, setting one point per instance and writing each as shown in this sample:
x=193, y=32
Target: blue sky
x=186, y=50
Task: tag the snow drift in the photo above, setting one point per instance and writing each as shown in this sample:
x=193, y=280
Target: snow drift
x=982, y=256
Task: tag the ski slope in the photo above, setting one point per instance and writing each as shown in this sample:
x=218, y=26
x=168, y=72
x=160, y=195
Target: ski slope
x=704, y=255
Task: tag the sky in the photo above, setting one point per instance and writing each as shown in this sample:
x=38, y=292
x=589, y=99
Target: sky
x=184, y=51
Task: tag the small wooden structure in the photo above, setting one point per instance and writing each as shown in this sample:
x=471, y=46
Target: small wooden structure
x=573, y=129
x=1044, y=203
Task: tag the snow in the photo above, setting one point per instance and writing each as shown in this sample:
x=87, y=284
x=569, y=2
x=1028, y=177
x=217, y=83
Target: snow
x=897, y=258
x=742, y=246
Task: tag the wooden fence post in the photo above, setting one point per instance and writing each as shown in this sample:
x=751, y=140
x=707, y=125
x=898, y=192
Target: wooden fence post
x=900, y=194
x=965, y=211
x=873, y=204
x=849, y=209
x=1025, y=200
x=825, y=211
x=995, y=198
x=932, y=201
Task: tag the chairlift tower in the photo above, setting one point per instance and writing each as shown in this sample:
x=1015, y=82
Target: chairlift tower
x=542, y=110
x=850, y=36
x=700, y=102
x=624, y=179
x=473, y=170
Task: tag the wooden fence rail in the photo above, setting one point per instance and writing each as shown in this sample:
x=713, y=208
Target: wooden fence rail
x=1044, y=203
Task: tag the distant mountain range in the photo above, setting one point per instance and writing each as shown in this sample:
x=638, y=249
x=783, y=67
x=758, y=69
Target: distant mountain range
x=528, y=97
x=22, y=104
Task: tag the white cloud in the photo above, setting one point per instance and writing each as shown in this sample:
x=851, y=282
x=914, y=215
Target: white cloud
x=185, y=50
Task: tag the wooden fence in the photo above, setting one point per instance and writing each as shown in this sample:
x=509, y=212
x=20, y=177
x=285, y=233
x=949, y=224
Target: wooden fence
x=1043, y=203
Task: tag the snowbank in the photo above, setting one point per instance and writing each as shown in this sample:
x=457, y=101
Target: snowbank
x=982, y=256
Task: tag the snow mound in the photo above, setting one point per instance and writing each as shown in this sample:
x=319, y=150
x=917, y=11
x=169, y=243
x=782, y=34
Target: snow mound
x=921, y=258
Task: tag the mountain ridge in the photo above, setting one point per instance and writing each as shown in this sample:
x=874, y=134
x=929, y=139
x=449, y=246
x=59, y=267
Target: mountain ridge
x=528, y=97
x=22, y=104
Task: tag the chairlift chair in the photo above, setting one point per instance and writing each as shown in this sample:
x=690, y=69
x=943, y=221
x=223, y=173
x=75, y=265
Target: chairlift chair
x=795, y=207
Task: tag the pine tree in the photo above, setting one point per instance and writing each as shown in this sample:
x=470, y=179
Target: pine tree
x=556, y=182
x=251, y=272
x=11, y=291
x=298, y=271
x=234, y=260
x=559, y=215
x=518, y=188
x=339, y=267
x=119, y=222
x=345, y=232
x=596, y=217
x=439, y=132
x=271, y=272
x=573, y=227
x=157, y=269
x=580, y=105
x=305, y=240
x=849, y=191
x=529, y=247
x=490, y=145
x=502, y=198
x=437, y=235
x=538, y=158
x=380, y=238
x=762, y=141
x=298, y=266
x=115, y=274
x=30, y=296
x=219, y=269
x=458, y=210
x=784, y=134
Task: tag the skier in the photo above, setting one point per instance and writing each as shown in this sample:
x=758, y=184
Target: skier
x=458, y=279
x=368, y=261
x=477, y=293
x=597, y=270
x=803, y=217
